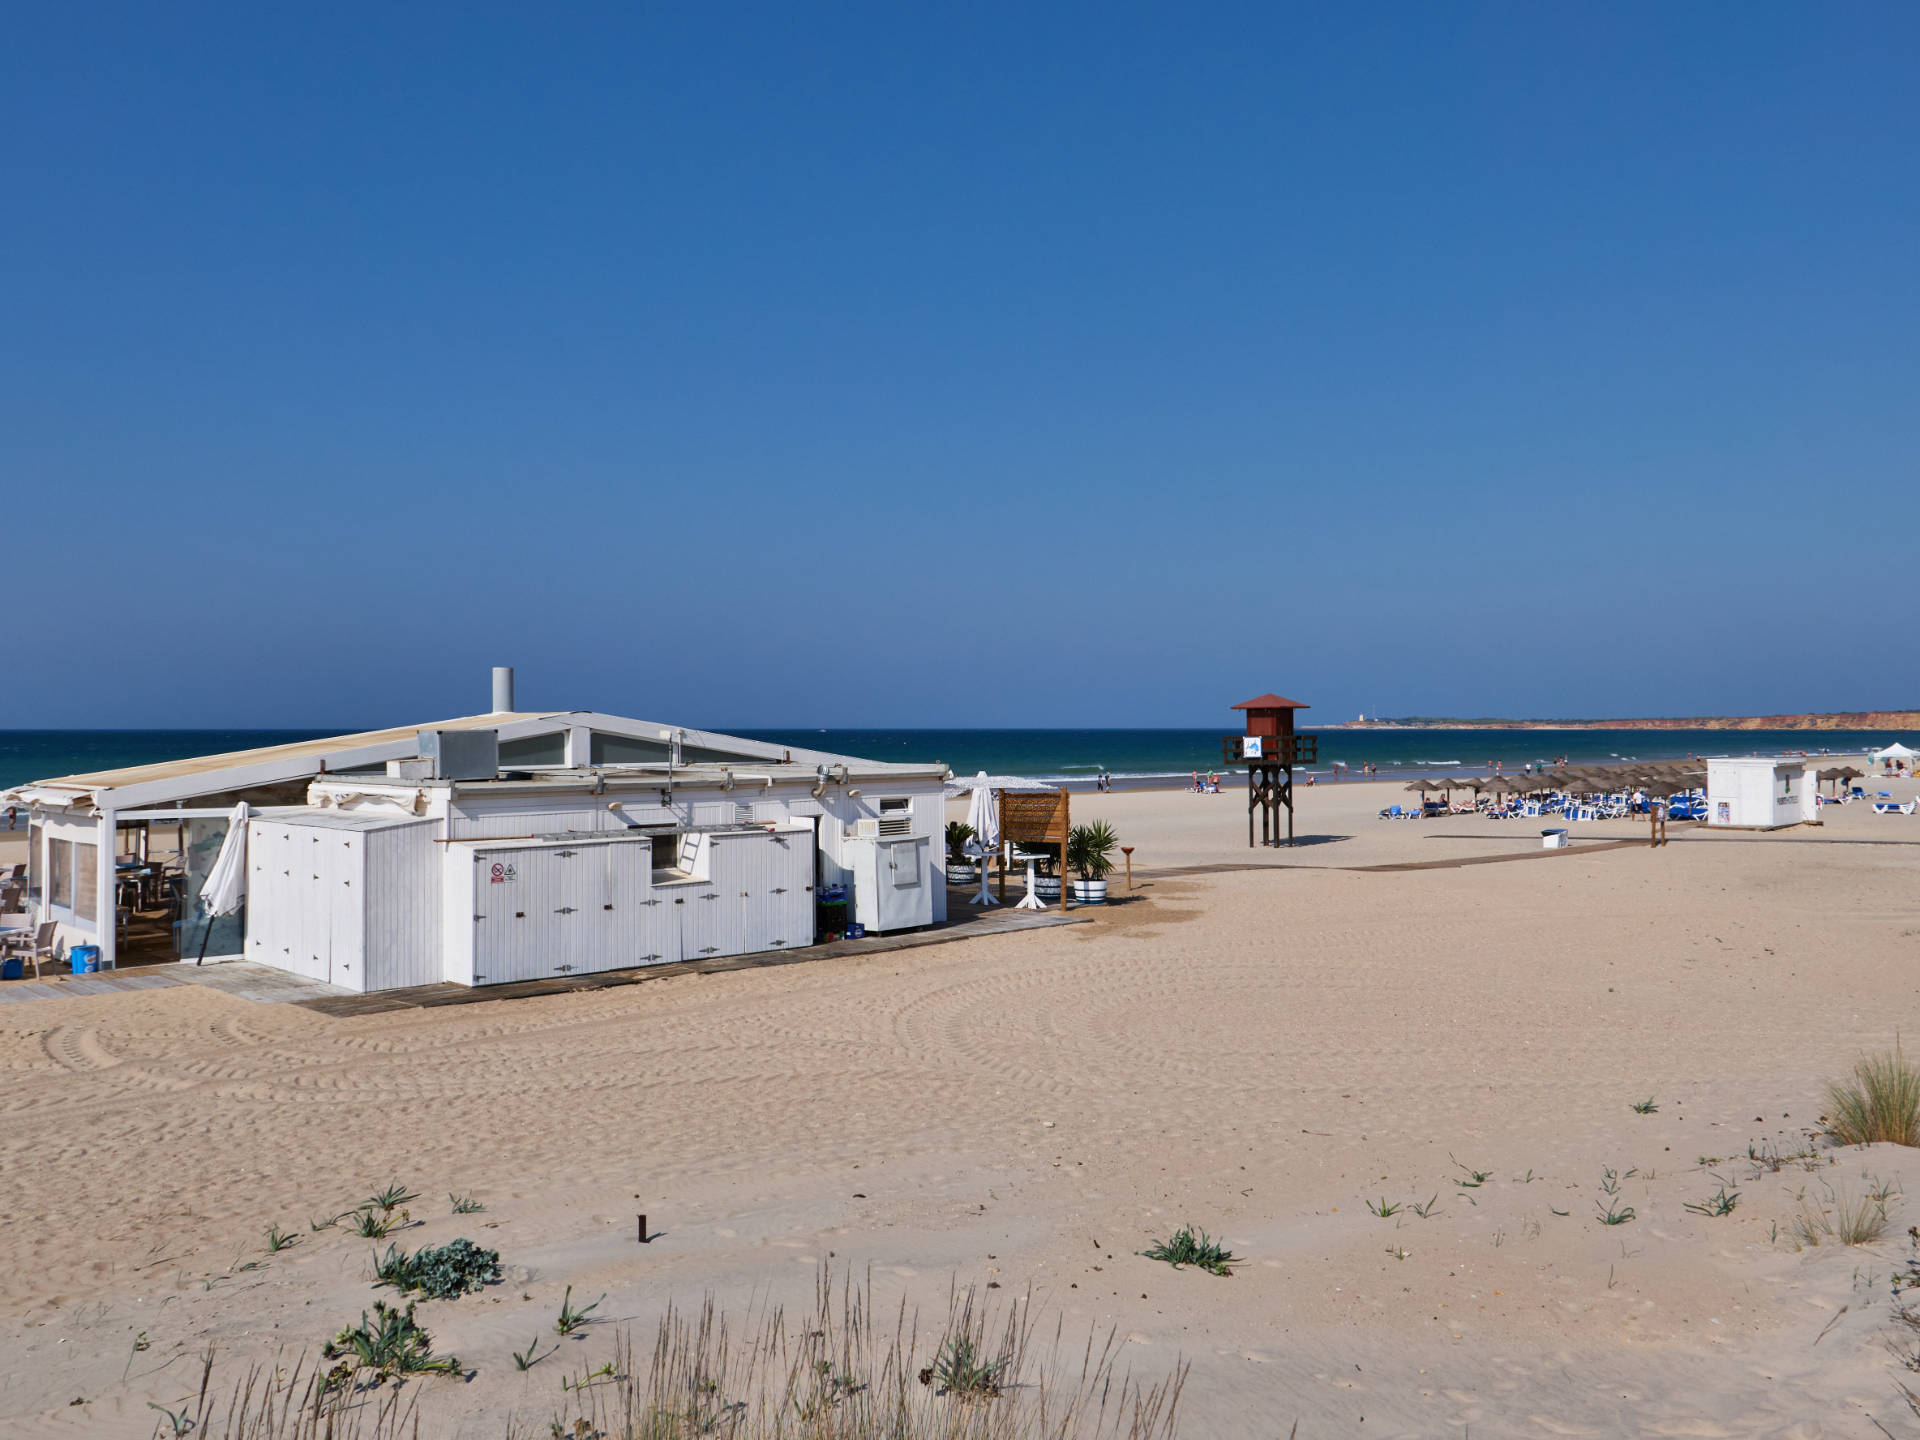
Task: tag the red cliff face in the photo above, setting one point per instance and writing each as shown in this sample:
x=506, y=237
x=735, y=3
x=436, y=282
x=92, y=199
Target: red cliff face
x=1850, y=720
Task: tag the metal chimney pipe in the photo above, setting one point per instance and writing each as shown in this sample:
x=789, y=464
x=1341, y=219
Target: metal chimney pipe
x=502, y=689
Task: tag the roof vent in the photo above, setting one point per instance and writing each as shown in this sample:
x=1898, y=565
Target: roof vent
x=462, y=754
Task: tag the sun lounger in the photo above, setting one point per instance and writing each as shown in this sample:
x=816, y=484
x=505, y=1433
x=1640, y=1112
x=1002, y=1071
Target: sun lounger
x=1888, y=807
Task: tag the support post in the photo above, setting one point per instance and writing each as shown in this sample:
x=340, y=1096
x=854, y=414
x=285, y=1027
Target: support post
x=106, y=906
x=1066, y=833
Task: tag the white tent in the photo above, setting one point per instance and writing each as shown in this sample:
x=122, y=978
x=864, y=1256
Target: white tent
x=1896, y=756
x=958, y=786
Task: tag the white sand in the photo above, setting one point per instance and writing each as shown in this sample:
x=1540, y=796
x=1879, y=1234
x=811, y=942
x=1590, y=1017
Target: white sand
x=1258, y=1053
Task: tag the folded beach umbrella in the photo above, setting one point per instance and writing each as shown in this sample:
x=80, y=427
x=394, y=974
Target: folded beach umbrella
x=983, y=813
x=225, y=890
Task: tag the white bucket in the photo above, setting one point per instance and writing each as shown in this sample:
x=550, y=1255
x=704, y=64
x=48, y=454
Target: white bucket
x=1553, y=839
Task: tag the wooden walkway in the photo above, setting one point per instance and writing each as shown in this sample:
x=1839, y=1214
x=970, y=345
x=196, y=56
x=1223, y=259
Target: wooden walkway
x=240, y=978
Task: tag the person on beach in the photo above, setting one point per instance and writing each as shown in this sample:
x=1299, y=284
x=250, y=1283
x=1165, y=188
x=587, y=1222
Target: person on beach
x=10, y=812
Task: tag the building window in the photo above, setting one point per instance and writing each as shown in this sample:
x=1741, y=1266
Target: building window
x=86, y=881
x=60, y=873
x=627, y=750
x=533, y=752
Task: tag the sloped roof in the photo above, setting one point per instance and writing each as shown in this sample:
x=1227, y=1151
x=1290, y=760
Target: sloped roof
x=296, y=750
x=168, y=781
x=1271, y=702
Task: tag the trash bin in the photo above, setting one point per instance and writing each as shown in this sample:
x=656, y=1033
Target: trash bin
x=1553, y=839
x=830, y=913
x=85, y=959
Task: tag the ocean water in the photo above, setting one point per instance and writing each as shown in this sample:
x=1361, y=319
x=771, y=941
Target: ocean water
x=1073, y=757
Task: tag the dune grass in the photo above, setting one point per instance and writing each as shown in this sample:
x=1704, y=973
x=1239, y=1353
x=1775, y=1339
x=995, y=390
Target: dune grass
x=833, y=1371
x=1880, y=1104
x=1841, y=1217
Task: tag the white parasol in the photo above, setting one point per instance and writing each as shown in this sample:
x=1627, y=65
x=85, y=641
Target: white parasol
x=225, y=890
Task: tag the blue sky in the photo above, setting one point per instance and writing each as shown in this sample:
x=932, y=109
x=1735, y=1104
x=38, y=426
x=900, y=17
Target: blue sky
x=999, y=365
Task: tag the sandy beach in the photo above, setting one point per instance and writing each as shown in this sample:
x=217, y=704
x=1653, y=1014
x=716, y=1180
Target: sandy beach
x=1258, y=1043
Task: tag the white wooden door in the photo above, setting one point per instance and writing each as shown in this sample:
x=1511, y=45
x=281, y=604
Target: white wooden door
x=342, y=871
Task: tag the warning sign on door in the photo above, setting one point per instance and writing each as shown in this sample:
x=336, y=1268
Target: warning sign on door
x=502, y=872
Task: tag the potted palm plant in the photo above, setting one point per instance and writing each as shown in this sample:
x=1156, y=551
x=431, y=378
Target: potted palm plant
x=1046, y=880
x=1090, y=850
x=960, y=868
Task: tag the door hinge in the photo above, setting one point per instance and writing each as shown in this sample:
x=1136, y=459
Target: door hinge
x=645, y=958
x=709, y=949
x=649, y=902
x=564, y=910
x=779, y=942
x=479, y=917
x=778, y=890
x=566, y=854
x=713, y=895
x=563, y=967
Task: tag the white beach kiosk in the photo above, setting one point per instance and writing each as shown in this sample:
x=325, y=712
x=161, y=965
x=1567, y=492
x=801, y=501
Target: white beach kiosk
x=1756, y=793
x=490, y=848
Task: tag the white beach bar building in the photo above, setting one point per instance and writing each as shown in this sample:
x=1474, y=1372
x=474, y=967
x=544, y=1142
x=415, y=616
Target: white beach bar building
x=1755, y=793
x=497, y=847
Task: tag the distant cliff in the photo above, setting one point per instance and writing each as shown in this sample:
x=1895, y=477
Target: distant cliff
x=1851, y=720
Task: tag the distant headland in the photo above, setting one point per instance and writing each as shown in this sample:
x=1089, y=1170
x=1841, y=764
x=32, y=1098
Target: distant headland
x=1849, y=720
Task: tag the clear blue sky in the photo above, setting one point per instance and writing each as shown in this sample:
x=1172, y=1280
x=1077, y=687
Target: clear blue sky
x=1001, y=365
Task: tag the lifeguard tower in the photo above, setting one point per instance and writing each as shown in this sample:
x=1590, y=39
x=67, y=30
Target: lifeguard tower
x=1270, y=750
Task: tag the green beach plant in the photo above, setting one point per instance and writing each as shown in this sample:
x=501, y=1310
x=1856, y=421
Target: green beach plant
x=1615, y=1214
x=1423, y=1211
x=391, y=1343
x=1718, y=1204
x=1644, y=1107
x=391, y=1198
x=1186, y=1246
x=571, y=1319
x=1880, y=1104
x=442, y=1273
x=958, y=834
x=464, y=1204
x=1382, y=1208
x=370, y=1224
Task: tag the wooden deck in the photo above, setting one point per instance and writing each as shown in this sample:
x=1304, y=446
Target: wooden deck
x=960, y=927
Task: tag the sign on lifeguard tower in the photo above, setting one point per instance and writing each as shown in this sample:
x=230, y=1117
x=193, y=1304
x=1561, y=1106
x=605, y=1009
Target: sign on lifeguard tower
x=1269, y=750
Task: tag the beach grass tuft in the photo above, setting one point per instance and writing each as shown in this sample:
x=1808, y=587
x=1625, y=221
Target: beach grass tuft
x=278, y=1240
x=1186, y=1246
x=1381, y=1208
x=1644, y=1107
x=1880, y=1104
x=1839, y=1216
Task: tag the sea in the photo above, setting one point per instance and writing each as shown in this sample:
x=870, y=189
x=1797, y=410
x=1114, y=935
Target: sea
x=1074, y=758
